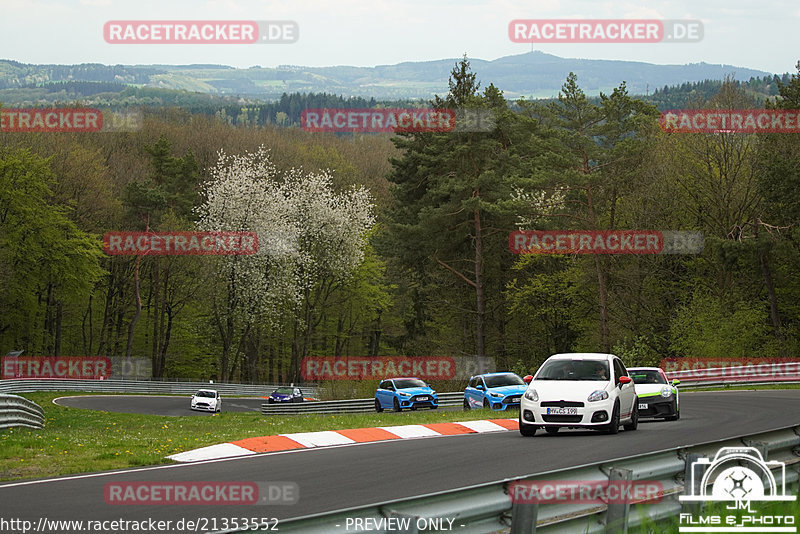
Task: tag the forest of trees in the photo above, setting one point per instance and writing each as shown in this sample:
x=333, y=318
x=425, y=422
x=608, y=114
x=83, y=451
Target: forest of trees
x=434, y=275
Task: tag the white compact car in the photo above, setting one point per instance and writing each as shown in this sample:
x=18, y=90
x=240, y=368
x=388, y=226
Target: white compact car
x=658, y=397
x=207, y=400
x=580, y=390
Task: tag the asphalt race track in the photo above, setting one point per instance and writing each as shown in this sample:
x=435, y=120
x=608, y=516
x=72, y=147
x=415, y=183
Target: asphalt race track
x=334, y=478
x=155, y=404
x=175, y=405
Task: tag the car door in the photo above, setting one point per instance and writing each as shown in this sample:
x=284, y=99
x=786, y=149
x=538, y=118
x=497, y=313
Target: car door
x=627, y=393
x=470, y=392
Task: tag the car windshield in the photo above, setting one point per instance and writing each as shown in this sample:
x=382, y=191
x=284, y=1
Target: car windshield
x=285, y=391
x=209, y=394
x=409, y=383
x=574, y=370
x=496, y=381
x=646, y=377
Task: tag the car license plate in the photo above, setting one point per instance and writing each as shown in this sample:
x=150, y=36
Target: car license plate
x=642, y=406
x=423, y=398
x=562, y=411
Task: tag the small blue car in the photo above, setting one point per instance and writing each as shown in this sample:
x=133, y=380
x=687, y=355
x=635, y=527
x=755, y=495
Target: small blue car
x=285, y=394
x=497, y=391
x=399, y=393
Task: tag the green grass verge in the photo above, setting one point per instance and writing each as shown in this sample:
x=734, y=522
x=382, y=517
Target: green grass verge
x=75, y=440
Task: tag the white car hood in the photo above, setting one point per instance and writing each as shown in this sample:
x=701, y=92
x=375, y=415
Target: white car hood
x=569, y=390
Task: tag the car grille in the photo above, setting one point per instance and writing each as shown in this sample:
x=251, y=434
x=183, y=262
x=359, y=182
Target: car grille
x=416, y=398
x=562, y=404
x=562, y=418
x=512, y=400
x=205, y=404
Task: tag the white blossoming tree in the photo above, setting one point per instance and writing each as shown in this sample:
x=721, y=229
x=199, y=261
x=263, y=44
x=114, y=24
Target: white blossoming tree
x=310, y=239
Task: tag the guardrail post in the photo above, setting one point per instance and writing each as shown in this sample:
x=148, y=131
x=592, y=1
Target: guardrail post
x=692, y=484
x=617, y=512
x=523, y=517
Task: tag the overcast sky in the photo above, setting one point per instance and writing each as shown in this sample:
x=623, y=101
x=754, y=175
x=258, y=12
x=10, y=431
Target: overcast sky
x=761, y=35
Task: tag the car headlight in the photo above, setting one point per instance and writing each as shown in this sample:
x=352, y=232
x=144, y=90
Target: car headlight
x=495, y=394
x=531, y=395
x=598, y=395
x=404, y=394
x=433, y=392
x=666, y=391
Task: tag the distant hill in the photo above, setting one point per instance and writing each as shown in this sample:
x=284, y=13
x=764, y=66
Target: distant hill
x=532, y=75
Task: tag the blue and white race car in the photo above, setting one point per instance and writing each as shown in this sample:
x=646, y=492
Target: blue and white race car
x=399, y=393
x=497, y=391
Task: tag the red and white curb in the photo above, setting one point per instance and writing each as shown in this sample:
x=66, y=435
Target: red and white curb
x=308, y=440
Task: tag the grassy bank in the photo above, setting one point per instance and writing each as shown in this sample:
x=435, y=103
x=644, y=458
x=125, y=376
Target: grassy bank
x=75, y=440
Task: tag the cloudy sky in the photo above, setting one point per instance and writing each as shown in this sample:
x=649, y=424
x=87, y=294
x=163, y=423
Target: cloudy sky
x=760, y=35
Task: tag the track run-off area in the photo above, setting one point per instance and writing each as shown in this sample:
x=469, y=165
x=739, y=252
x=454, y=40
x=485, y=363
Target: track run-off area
x=340, y=477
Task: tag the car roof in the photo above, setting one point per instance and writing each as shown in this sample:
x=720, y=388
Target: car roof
x=494, y=374
x=582, y=355
x=209, y=390
x=644, y=368
x=403, y=378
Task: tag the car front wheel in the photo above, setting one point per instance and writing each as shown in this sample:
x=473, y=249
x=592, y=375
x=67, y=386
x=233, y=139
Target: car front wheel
x=378, y=407
x=526, y=430
x=396, y=405
x=676, y=414
x=466, y=405
x=613, y=425
x=634, y=424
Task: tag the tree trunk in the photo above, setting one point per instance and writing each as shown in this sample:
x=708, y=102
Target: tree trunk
x=479, y=296
x=132, y=326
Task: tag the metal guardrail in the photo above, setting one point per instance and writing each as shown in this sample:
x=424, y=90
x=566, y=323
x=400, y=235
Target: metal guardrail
x=19, y=411
x=345, y=406
x=487, y=508
x=755, y=375
x=137, y=386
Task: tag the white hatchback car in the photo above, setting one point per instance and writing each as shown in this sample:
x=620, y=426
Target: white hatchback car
x=580, y=390
x=207, y=400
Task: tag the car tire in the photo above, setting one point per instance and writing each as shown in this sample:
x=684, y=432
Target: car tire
x=486, y=403
x=676, y=414
x=378, y=407
x=413, y=408
x=396, y=405
x=526, y=430
x=466, y=405
x=613, y=426
x=270, y=401
x=551, y=429
x=435, y=406
x=634, y=424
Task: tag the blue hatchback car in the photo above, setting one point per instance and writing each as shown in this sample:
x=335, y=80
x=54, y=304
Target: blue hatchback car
x=497, y=391
x=399, y=393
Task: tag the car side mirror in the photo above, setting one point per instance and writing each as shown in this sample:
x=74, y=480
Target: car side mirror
x=479, y=386
x=625, y=380
x=675, y=382
x=528, y=379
